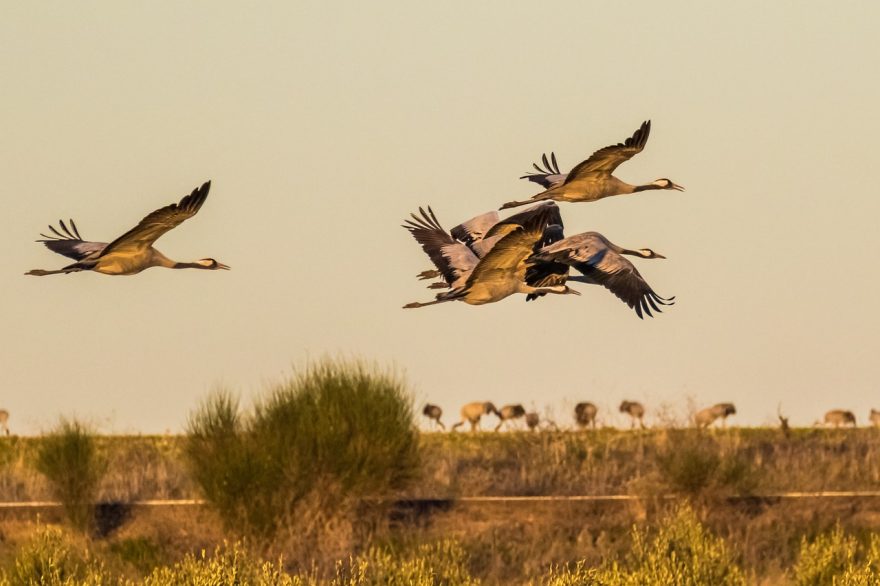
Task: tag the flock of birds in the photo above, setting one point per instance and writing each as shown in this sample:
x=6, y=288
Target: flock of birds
x=585, y=415
x=487, y=259
x=479, y=261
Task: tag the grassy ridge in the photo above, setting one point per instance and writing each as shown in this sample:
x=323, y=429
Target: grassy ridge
x=559, y=463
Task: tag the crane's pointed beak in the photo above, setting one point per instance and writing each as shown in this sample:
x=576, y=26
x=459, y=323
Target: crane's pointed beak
x=220, y=265
x=677, y=187
x=658, y=255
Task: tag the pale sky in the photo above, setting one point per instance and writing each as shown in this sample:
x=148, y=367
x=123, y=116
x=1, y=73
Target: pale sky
x=323, y=124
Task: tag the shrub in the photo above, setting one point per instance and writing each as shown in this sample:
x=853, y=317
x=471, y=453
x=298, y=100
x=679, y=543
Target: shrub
x=140, y=552
x=70, y=460
x=53, y=558
x=433, y=564
x=694, y=464
x=681, y=553
x=229, y=566
x=336, y=431
x=837, y=558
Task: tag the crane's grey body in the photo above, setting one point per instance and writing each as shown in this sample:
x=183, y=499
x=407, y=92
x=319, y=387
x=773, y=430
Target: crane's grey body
x=509, y=413
x=502, y=272
x=132, y=252
x=532, y=420
x=473, y=412
x=4, y=421
x=838, y=417
x=707, y=416
x=434, y=413
x=600, y=262
x=636, y=412
x=585, y=414
x=592, y=179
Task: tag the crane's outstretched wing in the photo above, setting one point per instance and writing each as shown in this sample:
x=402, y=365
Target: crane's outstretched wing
x=590, y=253
x=453, y=259
x=547, y=176
x=607, y=159
x=162, y=220
x=474, y=231
x=520, y=234
x=67, y=241
x=535, y=218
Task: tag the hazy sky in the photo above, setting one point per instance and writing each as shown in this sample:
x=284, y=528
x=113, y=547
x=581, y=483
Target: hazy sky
x=322, y=125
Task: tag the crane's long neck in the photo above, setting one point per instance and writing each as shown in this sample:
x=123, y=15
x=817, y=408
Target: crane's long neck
x=645, y=187
x=186, y=265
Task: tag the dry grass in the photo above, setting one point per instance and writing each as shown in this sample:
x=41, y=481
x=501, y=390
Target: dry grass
x=507, y=542
x=561, y=463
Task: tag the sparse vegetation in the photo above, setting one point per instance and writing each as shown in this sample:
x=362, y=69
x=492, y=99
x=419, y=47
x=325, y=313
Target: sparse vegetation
x=71, y=461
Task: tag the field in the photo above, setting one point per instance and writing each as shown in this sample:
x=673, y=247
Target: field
x=733, y=481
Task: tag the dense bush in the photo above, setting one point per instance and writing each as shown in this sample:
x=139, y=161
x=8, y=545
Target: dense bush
x=682, y=553
x=70, y=460
x=336, y=431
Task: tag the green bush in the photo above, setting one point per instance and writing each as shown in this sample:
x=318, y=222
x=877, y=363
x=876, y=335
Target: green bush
x=336, y=431
x=682, y=553
x=70, y=460
x=837, y=558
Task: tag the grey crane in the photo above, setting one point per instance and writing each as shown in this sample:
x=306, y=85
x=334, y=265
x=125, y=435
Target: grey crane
x=533, y=419
x=705, y=417
x=592, y=179
x=509, y=413
x=838, y=417
x=874, y=417
x=434, y=413
x=585, y=414
x=4, y=421
x=502, y=271
x=600, y=262
x=473, y=412
x=133, y=251
x=636, y=412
